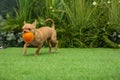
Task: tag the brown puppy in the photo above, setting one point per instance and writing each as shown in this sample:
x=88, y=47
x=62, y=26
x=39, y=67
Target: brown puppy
x=40, y=35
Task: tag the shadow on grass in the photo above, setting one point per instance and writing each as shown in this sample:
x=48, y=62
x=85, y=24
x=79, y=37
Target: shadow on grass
x=41, y=54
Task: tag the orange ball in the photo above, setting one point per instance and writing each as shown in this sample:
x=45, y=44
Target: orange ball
x=28, y=37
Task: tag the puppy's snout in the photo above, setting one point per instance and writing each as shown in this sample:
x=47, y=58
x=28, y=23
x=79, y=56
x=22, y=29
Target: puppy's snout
x=24, y=31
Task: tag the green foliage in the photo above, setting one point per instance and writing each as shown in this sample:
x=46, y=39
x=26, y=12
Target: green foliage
x=24, y=12
x=79, y=23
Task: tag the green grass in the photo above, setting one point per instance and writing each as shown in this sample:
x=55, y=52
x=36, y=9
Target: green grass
x=65, y=64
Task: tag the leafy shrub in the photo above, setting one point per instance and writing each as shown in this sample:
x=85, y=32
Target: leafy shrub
x=79, y=23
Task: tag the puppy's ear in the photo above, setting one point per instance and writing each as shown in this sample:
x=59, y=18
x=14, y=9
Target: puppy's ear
x=24, y=22
x=34, y=23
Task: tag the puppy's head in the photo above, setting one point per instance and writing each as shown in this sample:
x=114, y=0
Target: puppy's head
x=27, y=27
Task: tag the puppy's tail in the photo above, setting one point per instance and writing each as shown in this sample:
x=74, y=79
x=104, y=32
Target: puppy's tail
x=52, y=23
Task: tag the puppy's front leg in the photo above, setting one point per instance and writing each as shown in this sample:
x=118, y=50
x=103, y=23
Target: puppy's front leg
x=38, y=49
x=25, y=47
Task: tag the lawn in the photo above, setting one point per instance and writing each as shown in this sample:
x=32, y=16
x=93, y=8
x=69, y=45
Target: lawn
x=65, y=64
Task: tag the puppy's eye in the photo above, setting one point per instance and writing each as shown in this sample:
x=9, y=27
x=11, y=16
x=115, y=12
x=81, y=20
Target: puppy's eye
x=29, y=29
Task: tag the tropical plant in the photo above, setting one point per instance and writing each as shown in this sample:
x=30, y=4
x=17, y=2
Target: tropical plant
x=79, y=23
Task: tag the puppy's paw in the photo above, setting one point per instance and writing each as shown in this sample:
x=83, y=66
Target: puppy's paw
x=36, y=54
x=24, y=54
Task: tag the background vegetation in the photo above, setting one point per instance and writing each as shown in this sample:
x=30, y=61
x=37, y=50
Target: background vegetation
x=79, y=23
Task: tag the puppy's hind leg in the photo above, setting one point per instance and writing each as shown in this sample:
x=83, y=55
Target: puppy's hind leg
x=55, y=41
x=56, y=44
x=49, y=44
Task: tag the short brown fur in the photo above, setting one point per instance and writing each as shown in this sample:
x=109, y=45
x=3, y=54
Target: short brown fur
x=40, y=35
